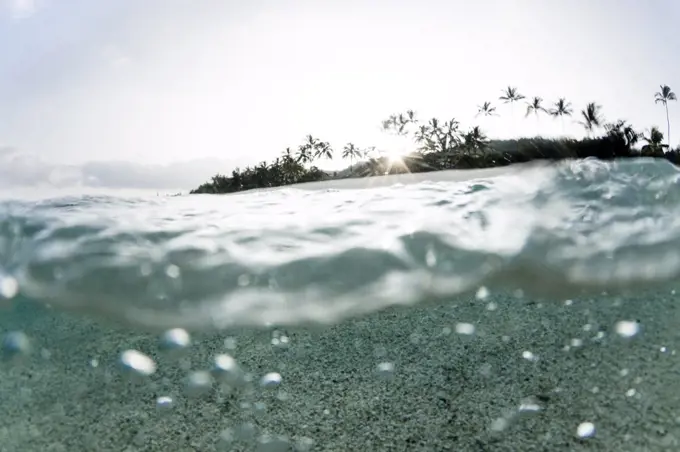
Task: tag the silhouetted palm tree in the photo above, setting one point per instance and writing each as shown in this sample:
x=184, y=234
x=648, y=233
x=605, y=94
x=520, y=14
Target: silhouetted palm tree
x=560, y=109
x=350, y=151
x=664, y=96
x=624, y=131
x=475, y=140
x=306, y=151
x=399, y=123
x=535, y=106
x=591, y=117
x=510, y=96
x=654, y=141
x=324, y=150
x=486, y=110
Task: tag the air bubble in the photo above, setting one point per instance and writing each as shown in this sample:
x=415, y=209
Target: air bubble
x=482, y=293
x=430, y=258
x=627, y=328
x=269, y=443
x=164, y=403
x=175, y=339
x=172, y=271
x=386, y=370
x=9, y=287
x=585, y=430
x=499, y=424
x=137, y=363
x=15, y=343
x=199, y=383
x=304, y=444
x=230, y=343
x=465, y=328
x=271, y=380
x=259, y=408
x=529, y=356
x=226, y=370
x=245, y=432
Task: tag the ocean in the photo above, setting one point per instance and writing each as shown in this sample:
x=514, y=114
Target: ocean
x=84, y=278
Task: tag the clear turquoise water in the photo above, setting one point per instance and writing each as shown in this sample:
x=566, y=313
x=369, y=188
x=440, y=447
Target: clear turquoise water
x=295, y=256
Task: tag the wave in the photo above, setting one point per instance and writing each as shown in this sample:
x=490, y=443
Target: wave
x=295, y=256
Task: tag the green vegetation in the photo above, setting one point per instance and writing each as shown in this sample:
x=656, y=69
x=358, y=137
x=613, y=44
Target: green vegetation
x=440, y=145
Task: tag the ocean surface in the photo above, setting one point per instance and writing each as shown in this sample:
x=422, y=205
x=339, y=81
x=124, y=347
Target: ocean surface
x=300, y=255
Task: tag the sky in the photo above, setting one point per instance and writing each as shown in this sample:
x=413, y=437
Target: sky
x=128, y=93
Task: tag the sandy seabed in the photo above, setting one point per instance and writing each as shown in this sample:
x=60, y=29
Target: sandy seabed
x=529, y=374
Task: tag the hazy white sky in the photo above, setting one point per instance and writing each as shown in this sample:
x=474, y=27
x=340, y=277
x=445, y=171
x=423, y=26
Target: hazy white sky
x=161, y=81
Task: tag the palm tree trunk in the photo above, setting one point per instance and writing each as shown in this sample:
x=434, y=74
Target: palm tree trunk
x=668, y=121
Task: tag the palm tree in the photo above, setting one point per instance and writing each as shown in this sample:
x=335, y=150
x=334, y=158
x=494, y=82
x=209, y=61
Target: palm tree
x=475, y=140
x=535, y=106
x=486, y=110
x=664, y=96
x=561, y=109
x=352, y=152
x=621, y=129
x=591, y=117
x=324, y=150
x=511, y=95
x=307, y=150
x=399, y=123
x=654, y=141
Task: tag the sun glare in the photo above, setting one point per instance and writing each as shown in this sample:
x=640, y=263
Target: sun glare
x=395, y=156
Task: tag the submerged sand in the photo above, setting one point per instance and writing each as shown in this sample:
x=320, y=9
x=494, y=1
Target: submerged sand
x=524, y=380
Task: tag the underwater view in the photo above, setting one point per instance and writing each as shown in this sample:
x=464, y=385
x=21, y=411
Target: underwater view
x=344, y=226
x=528, y=309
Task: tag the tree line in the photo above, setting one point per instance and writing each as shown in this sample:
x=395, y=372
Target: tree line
x=443, y=145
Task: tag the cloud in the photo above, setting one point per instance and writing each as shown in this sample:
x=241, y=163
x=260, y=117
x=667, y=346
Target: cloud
x=22, y=9
x=20, y=169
